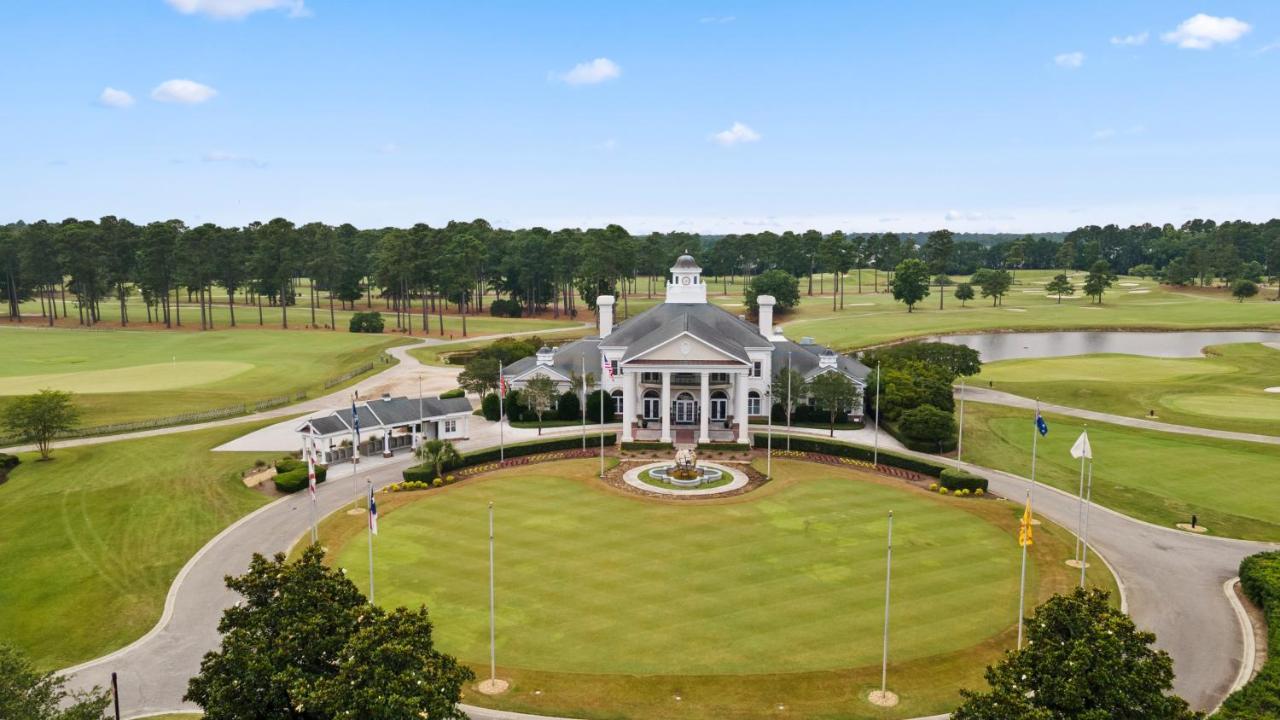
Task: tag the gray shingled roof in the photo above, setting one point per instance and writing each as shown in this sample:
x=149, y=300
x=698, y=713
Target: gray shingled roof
x=804, y=359
x=393, y=411
x=568, y=360
x=661, y=323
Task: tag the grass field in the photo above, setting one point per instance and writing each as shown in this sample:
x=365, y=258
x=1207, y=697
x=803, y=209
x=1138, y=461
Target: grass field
x=609, y=604
x=94, y=537
x=1225, y=390
x=870, y=319
x=121, y=376
x=1158, y=477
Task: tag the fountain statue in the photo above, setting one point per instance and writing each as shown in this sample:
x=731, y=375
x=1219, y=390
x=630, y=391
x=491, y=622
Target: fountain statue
x=685, y=472
x=686, y=467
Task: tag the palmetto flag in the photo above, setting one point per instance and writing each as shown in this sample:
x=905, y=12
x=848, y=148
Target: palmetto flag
x=1024, y=528
x=355, y=422
x=1082, y=449
x=373, y=512
x=1041, y=425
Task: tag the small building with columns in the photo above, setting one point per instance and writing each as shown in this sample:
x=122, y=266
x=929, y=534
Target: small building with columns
x=687, y=370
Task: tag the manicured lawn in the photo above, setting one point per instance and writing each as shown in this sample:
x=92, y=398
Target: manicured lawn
x=93, y=538
x=609, y=604
x=871, y=318
x=1158, y=477
x=121, y=376
x=1225, y=390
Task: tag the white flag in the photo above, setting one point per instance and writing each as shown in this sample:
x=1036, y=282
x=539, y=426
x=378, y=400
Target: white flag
x=1082, y=449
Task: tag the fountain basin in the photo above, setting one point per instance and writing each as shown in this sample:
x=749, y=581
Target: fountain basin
x=726, y=479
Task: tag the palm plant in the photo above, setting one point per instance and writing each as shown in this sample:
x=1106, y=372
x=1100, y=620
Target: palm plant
x=439, y=453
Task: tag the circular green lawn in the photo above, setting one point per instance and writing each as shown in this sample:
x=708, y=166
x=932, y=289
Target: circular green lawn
x=789, y=578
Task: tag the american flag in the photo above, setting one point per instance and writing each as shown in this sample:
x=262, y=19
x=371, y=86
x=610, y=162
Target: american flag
x=311, y=467
x=373, y=512
x=606, y=366
x=502, y=382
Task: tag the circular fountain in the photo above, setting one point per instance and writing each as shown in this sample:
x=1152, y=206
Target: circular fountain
x=686, y=472
x=686, y=476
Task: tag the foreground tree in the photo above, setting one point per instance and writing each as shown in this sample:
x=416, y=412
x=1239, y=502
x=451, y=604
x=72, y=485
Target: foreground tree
x=910, y=282
x=41, y=417
x=1098, y=280
x=537, y=397
x=788, y=388
x=304, y=644
x=1060, y=286
x=1083, y=660
x=27, y=694
x=964, y=291
x=834, y=393
x=784, y=288
x=441, y=454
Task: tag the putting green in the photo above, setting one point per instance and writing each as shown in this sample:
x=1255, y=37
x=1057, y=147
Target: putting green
x=1111, y=367
x=1237, y=407
x=787, y=579
x=139, y=378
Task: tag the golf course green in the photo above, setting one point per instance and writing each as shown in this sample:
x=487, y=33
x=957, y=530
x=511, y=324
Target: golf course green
x=1225, y=390
x=122, y=376
x=93, y=538
x=598, y=589
x=1154, y=476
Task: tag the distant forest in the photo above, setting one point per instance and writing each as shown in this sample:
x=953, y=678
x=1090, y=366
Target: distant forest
x=428, y=269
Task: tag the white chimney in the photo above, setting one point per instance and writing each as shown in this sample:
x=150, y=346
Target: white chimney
x=765, y=314
x=604, y=311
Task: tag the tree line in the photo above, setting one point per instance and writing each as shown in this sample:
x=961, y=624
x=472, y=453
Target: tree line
x=423, y=270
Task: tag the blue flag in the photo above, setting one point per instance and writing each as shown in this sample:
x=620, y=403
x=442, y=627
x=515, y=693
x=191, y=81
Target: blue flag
x=1041, y=425
x=355, y=421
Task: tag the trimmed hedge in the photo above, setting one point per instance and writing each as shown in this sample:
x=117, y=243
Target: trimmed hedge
x=644, y=446
x=288, y=464
x=296, y=479
x=454, y=393
x=919, y=446
x=1260, y=697
x=857, y=452
x=953, y=479
x=422, y=473
x=8, y=462
x=726, y=447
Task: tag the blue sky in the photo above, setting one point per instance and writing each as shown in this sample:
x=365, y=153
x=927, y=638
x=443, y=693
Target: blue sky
x=1017, y=116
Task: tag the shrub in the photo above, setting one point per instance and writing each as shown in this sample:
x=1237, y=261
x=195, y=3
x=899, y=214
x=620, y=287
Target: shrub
x=454, y=393
x=366, y=322
x=288, y=464
x=933, y=486
x=505, y=308
x=979, y=492
x=942, y=491
x=593, y=406
x=1260, y=697
x=857, y=452
x=568, y=407
x=962, y=493
x=450, y=479
x=479, y=457
x=727, y=447
x=419, y=473
x=8, y=462
x=437, y=482
x=489, y=406
x=954, y=479
x=645, y=446
x=928, y=424
x=296, y=479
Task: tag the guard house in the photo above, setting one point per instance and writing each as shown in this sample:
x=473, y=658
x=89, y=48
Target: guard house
x=386, y=425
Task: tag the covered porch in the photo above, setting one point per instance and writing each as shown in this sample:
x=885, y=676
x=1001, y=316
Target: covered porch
x=676, y=404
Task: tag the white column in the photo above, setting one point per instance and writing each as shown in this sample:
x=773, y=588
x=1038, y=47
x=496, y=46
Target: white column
x=386, y=443
x=665, y=410
x=704, y=409
x=628, y=404
x=741, y=414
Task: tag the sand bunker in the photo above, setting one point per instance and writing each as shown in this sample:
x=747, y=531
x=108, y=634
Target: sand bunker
x=1138, y=292
x=1273, y=389
x=1130, y=284
x=1016, y=309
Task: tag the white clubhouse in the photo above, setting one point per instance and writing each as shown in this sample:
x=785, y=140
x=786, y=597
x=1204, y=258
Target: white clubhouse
x=686, y=370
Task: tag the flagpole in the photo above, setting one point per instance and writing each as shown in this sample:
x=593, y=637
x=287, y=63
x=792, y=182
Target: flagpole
x=1022, y=582
x=502, y=391
x=875, y=453
x=960, y=441
x=603, y=396
x=768, y=471
x=355, y=451
x=888, y=576
x=1035, y=437
x=1084, y=544
x=372, y=520
x=1080, y=509
x=584, y=402
x=789, y=401
x=493, y=654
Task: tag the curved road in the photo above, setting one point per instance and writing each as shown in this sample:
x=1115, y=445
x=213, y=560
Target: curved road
x=1173, y=582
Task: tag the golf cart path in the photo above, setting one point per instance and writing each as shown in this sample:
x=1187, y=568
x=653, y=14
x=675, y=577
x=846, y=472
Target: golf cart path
x=996, y=397
x=1173, y=584
x=400, y=378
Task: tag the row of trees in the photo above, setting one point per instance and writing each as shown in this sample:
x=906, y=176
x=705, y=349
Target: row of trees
x=420, y=270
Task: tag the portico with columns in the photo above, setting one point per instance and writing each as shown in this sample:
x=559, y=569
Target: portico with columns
x=685, y=371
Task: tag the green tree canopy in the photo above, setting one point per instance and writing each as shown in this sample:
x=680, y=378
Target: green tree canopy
x=41, y=417
x=441, y=454
x=1098, y=280
x=538, y=395
x=788, y=388
x=910, y=282
x=304, y=644
x=480, y=375
x=27, y=694
x=781, y=284
x=834, y=393
x=958, y=360
x=964, y=292
x=1243, y=289
x=995, y=284
x=1083, y=660
x=1060, y=285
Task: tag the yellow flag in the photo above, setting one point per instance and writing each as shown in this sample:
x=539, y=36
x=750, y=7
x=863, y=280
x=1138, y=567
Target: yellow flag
x=1024, y=529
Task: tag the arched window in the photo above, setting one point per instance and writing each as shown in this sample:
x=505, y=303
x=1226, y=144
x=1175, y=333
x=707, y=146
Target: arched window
x=652, y=405
x=753, y=403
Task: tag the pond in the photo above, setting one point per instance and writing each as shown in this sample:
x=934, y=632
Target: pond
x=1023, y=345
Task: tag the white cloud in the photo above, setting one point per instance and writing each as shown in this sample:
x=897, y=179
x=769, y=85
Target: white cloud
x=1201, y=32
x=1135, y=39
x=591, y=73
x=237, y=9
x=1267, y=48
x=608, y=145
x=1071, y=60
x=221, y=156
x=717, y=19
x=737, y=133
x=187, y=92
x=112, y=97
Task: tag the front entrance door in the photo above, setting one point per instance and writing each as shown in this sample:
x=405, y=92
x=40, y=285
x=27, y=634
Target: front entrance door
x=686, y=410
x=719, y=407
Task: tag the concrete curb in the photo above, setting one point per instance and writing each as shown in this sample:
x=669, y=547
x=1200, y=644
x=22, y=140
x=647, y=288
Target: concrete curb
x=1249, y=646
